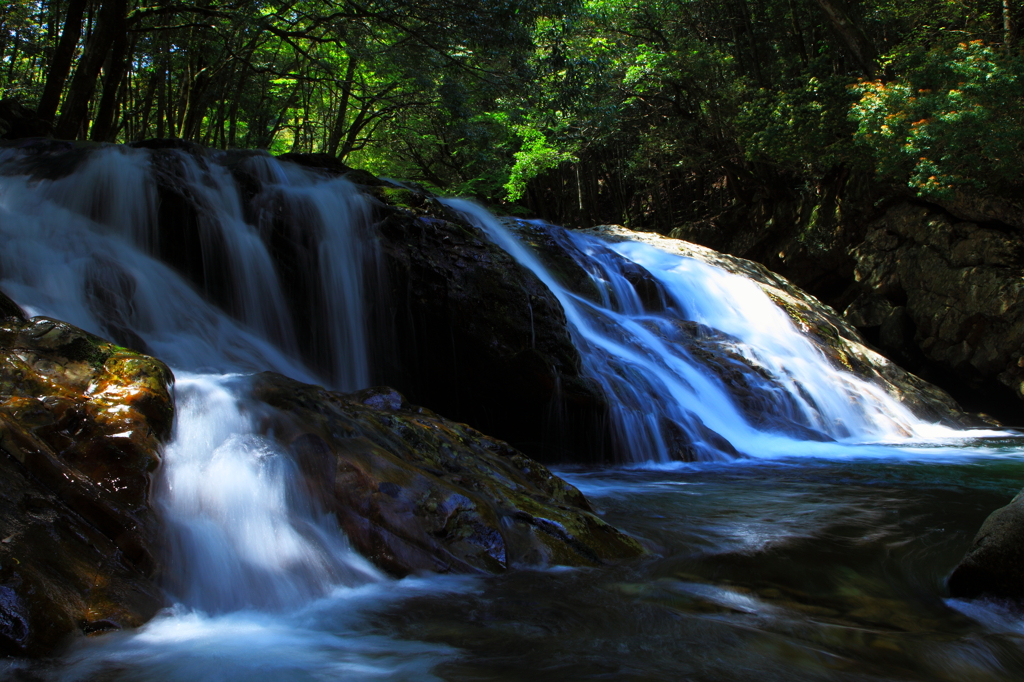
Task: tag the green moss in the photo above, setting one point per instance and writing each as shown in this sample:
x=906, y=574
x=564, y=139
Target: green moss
x=401, y=197
x=82, y=349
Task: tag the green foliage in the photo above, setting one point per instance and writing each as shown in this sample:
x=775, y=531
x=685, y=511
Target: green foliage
x=953, y=120
x=606, y=110
x=535, y=156
x=806, y=128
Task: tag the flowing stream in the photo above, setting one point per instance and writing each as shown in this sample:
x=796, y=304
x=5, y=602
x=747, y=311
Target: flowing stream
x=810, y=540
x=659, y=389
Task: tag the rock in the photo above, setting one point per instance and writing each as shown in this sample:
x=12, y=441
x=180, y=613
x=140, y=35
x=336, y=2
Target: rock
x=415, y=491
x=159, y=143
x=994, y=565
x=946, y=297
x=834, y=335
x=980, y=207
x=81, y=421
x=467, y=330
x=18, y=121
x=42, y=158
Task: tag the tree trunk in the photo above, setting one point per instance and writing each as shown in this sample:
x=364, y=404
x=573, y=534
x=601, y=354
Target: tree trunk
x=798, y=33
x=851, y=34
x=105, y=127
x=147, y=103
x=60, y=65
x=161, y=102
x=1008, y=28
x=75, y=112
x=339, y=123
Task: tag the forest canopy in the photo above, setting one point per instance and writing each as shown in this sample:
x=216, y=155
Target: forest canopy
x=645, y=113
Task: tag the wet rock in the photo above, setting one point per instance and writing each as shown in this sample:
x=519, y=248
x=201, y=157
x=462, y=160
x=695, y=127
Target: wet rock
x=946, y=298
x=994, y=565
x=332, y=165
x=188, y=146
x=81, y=421
x=43, y=158
x=467, y=330
x=415, y=491
x=18, y=121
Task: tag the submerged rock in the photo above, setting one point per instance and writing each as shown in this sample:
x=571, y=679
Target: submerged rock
x=81, y=421
x=415, y=491
x=994, y=565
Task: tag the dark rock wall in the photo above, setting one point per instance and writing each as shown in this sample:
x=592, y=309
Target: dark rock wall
x=463, y=328
x=946, y=298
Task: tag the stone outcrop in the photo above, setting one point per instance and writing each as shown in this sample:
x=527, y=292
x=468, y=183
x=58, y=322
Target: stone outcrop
x=467, y=330
x=18, y=121
x=994, y=565
x=415, y=491
x=946, y=297
x=81, y=422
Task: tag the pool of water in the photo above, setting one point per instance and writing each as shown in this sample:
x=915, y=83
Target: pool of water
x=799, y=569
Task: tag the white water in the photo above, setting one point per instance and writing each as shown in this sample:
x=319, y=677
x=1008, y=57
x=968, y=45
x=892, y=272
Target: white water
x=253, y=560
x=241, y=532
x=657, y=388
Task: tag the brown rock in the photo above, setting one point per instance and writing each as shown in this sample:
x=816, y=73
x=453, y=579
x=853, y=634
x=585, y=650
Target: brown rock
x=81, y=421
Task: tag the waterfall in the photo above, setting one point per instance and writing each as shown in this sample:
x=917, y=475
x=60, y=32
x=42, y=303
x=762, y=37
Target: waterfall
x=223, y=264
x=242, y=531
x=666, y=399
x=88, y=247
x=102, y=248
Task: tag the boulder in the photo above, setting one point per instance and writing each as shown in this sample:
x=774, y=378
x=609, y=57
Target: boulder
x=415, y=491
x=994, y=565
x=81, y=423
x=18, y=121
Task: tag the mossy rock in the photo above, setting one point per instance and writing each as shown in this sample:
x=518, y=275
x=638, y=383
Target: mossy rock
x=994, y=564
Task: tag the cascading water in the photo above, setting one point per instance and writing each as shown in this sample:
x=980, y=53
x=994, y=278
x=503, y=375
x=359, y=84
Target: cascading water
x=87, y=248
x=665, y=400
x=243, y=534
x=78, y=249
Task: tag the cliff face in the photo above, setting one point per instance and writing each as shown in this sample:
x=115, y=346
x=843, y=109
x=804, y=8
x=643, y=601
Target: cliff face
x=945, y=296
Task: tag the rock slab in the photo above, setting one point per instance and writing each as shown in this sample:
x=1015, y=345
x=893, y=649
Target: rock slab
x=415, y=491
